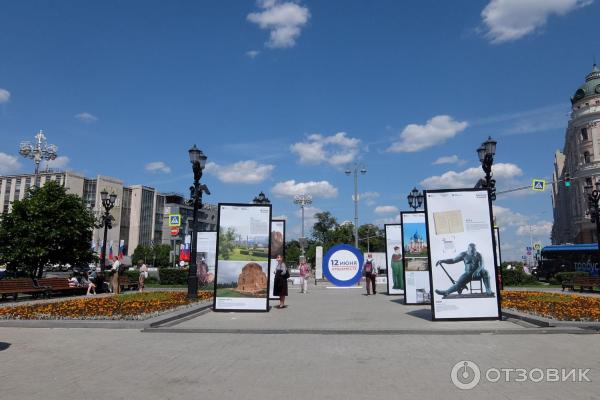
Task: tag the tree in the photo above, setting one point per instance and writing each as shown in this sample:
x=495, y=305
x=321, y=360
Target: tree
x=49, y=226
x=376, y=238
x=292, y=251
x=323, y=228
x=141, y=253
x=226, y=243
x=157, y=255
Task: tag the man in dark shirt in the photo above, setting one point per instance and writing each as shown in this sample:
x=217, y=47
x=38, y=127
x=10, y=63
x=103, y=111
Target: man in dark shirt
x=473, y=270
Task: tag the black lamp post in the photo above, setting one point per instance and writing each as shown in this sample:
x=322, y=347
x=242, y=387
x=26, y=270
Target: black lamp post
x=108, y=202
x=198, y=160
x=415, y=199
x=261, y=199
x=486, y=153
x=593, y=198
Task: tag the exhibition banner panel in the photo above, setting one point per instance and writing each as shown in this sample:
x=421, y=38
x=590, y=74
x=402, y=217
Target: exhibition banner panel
x=206, y=258
x=342, y=265
x=242, y=265
x=461, y=254
x=277, y=248
x=416, y=258
x=498, y=253
x=393, y=257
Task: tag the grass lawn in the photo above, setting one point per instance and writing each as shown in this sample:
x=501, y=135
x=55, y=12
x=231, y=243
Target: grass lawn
x=237, y=256
x=228, y=292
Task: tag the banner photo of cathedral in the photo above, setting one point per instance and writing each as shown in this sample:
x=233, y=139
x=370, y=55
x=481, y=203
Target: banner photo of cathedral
x=416, y=258
x=393, y=257
x=461, y=253
x=242, y=267
x=277, y=248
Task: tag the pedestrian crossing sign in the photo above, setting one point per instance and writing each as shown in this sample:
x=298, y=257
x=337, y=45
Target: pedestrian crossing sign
x=539, y=185
x=174, y=220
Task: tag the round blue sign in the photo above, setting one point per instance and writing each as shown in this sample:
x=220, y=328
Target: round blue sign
x=342, y=265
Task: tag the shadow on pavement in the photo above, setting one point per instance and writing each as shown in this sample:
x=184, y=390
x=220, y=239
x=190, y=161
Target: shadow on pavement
x=4, y=346
x=423, y=314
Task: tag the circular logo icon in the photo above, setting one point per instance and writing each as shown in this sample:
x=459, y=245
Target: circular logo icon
x=465, y=375
x=342, y=265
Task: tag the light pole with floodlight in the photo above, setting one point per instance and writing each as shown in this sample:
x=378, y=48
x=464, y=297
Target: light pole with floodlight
x=303, y=200
x=355, y=170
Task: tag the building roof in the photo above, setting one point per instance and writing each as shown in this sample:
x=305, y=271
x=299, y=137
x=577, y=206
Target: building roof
x=591, y=87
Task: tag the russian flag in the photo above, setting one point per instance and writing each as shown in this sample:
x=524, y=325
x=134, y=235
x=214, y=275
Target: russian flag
x=121, y=249
x=184, y=252
x=110, y=252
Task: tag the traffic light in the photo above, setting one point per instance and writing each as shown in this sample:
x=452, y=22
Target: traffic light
x=567, y=179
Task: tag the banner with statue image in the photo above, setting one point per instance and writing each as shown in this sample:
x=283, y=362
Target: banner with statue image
x=243, y=253
x=416, y=258
x=463, y=271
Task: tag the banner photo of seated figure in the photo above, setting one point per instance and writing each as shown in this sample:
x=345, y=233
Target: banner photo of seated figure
x=206, y=258
x=242, y=267
x=393, y=253
x=415, y=258
x=462, y=256
x=277, y=248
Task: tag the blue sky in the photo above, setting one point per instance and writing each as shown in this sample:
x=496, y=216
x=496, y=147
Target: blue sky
x=282, y=96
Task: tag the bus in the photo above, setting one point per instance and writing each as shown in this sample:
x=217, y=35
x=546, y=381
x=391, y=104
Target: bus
x=567, y=258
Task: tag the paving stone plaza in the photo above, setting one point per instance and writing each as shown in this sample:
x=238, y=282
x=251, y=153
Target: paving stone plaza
x=328, y=344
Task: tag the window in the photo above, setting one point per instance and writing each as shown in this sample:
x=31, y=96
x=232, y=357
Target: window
x=584, y=134
x=586, y=157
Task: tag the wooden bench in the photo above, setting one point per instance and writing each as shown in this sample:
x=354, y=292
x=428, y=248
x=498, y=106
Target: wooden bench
x=127, y=283
x=60, y=285
x=20, y=285
x=584, y=282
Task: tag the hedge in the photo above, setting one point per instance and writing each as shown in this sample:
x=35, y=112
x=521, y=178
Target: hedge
x=516, y=276
x=566, y=276
x=173, y=276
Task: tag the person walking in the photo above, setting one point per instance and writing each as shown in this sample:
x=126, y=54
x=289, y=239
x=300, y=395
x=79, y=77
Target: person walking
x=370, y=274
x=280, y=285
x=114, y=278
x=143, y=276
x=304, y=274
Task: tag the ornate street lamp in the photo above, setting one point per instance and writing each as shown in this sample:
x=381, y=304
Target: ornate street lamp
x=261, y=199
x=38, y=151
x=355, y=170
x=303, y=200
x=415, y=199
x=486, y=153
x=198, y=160
x=108, y=202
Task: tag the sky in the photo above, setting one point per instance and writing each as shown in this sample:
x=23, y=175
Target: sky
x=283, y=96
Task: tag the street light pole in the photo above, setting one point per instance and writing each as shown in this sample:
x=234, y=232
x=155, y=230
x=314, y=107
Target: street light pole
x=302, y=200
x=198, y=160
x=354, y=170
x=415, y=199
x=38, y=152
x=108, y=202
x=593, y=197
x=486, y=153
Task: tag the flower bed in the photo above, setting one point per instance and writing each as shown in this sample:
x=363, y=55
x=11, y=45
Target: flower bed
x=562, y=307
x=125, y=306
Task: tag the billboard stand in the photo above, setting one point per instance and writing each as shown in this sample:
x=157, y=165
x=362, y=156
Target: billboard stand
x=277, y=247
x=462, y=255
x=415, y=256
x=243, y=254
x=393, y=259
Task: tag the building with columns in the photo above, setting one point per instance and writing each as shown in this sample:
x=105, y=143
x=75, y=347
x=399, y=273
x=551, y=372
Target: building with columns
x=579, y=161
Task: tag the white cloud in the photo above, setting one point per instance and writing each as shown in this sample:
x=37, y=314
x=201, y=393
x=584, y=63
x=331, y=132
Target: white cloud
x=158, y=166
x=59, y=162
x=506, y=217
x=252, y=53
x=247, y=172
x=8, y=164
x=469, y=177
x=86, y=117
x=509, y=20
x=382, y=210
x=367, y=197
x=390, y=220
x=4, y=96
x=541, y=119
x=449, y=160
x=284, y=20
x=336, y=149
x=316, y=189
x=282, y=216
x=419, y=137
x=543, y=228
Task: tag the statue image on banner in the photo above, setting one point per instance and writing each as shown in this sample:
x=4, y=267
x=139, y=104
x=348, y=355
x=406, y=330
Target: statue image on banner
x=474, y=272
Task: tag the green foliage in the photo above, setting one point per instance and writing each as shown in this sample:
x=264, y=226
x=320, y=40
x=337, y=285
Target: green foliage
x=376, y=238
x=226, y=243
x=516, y=276
x=49, y=226
x=173, y=276
x=567, y=276
x=157, y=256
x=322, y=229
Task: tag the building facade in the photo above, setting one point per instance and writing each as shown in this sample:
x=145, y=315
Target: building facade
x=140, y=215
x=580, y=162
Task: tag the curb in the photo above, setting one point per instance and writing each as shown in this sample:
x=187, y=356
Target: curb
x=549, y=323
